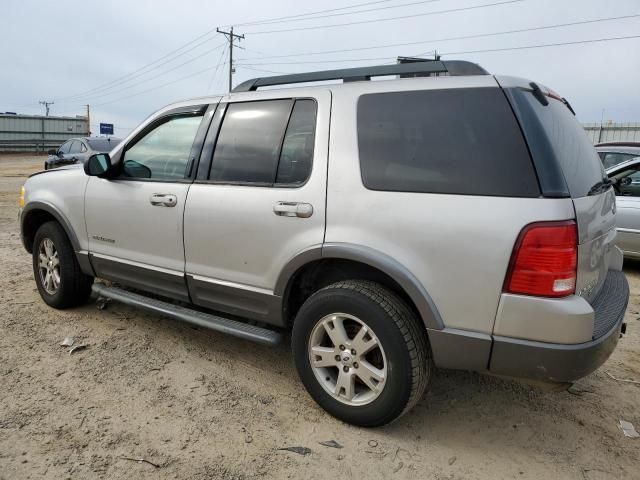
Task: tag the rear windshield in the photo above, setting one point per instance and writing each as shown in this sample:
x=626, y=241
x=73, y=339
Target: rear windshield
x=567, y=142
x=103, y=144
x=458, y=141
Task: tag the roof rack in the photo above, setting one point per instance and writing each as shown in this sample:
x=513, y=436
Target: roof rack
x=452, y=67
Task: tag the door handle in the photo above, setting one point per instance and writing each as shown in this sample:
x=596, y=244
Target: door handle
x=293, y=209
x=163, y=200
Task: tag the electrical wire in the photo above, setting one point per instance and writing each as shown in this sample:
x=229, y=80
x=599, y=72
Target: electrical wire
x=447, y=39
x=199, y=72
x=360, y=22
x=366, y=10
x=99, y=95
x=106, y=91
x=215, y=72
x=297, y=16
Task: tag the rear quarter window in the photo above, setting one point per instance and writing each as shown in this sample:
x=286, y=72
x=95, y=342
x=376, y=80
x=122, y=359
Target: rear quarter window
x=456, y=141
x=559, y=144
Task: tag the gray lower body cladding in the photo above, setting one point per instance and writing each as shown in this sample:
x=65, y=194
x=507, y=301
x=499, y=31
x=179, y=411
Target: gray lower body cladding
x=542, y=361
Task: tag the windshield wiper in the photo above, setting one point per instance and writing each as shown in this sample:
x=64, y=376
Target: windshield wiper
x=600, y=187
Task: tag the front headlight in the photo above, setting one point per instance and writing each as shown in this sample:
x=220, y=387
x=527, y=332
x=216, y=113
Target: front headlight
x=21, y=197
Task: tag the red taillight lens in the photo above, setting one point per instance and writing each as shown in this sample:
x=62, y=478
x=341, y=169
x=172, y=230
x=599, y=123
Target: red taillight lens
x=544, y=259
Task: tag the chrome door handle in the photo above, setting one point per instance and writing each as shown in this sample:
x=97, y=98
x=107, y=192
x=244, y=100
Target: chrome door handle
x=293, y=209
x=163, y=200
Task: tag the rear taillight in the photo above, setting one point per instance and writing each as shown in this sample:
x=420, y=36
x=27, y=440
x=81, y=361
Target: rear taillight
x=544, y=259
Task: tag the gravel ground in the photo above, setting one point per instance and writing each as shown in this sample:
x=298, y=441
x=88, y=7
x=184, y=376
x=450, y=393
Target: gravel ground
x=200, y=405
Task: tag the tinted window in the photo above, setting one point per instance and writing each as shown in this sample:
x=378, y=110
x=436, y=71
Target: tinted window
x=76, y=147
x=296, y=157
x=103, y=144
x=610, y=159
x=567, y=141
x=628, y=182
x=249, y=142
x=64, y=148
x=462, y=141
x=163, y=153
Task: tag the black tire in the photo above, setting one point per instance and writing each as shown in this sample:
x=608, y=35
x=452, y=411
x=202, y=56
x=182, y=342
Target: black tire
x=402, y=336
x=74, y=286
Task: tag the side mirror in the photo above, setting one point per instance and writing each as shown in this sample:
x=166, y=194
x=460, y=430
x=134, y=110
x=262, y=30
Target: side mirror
x=98, y=165
x=52, y=152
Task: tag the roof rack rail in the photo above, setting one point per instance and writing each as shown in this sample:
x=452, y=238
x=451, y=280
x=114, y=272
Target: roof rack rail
x=452, y=67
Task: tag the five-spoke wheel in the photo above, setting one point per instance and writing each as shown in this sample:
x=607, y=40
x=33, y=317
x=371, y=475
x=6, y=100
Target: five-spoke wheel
x=347, y=359
x=361, y=352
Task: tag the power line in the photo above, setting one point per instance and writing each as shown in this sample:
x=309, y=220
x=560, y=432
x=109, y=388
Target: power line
x=366, y=10
x=446, y=39
x=199, y=72
x=297, y=17
x=438, y=12
x=215, y=72
x=133, y=75
x=544, y=45
x=146, y=80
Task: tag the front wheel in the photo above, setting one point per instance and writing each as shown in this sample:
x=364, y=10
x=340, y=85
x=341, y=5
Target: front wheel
x=361, y=353
x=59, y=279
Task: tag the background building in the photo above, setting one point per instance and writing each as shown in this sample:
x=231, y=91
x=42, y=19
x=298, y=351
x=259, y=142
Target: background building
x=613, y=132
x=35, y=133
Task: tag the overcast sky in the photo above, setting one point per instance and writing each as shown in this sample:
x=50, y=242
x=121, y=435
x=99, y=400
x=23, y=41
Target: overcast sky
x=67, y=50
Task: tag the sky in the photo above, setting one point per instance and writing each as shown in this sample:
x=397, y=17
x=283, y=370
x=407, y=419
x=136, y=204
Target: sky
x=77, y=52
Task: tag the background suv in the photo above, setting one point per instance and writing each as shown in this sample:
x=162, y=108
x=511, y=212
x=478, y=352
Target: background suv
x=344, y=214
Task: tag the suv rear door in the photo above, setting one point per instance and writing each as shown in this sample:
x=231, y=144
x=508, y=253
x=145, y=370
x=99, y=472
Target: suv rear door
x=259, y=199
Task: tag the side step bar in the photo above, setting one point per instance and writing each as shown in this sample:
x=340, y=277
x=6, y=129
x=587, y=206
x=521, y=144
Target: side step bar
x=201, y=319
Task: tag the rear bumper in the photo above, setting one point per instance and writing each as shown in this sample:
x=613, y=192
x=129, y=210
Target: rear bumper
x=567, y=362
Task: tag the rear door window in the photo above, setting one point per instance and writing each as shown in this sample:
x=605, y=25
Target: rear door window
x=248, y=145
x=266, y=143
x=457, y=141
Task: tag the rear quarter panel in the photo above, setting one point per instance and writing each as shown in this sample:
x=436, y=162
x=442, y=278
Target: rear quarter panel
x=457, y=246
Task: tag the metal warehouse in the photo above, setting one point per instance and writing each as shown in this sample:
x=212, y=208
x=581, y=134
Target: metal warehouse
x=38, y=133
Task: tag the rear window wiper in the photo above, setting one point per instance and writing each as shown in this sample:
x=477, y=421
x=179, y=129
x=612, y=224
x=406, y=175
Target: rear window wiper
x=600, y=187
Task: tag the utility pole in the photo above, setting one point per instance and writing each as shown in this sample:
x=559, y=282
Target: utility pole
x=88, y=120
x=231, y=36
x=46, y=106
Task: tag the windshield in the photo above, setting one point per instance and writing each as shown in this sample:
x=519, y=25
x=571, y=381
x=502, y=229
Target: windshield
x=103, y=144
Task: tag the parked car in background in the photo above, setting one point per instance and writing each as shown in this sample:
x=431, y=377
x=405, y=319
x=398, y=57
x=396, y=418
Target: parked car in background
x=79, y=150
x=615, y=153
x=627, y=187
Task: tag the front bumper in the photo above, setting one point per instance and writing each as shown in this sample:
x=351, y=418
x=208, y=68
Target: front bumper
x=567, y=362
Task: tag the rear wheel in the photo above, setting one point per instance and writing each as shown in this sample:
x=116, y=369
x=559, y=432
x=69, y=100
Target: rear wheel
x=361, y=353
x=59, y=279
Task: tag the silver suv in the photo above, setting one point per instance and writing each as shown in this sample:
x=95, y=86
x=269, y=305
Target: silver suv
x=455, y=219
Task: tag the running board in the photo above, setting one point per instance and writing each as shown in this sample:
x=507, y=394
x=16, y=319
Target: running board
x=195, y=317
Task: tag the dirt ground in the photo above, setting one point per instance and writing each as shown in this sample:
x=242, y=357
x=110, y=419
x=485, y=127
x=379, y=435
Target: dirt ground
x=200, y=405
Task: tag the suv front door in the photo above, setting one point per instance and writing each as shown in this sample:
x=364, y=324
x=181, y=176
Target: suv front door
x=259, y=200
x=134, y=221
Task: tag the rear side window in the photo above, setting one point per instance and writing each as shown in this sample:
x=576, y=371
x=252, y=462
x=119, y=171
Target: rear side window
x=458, y=141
